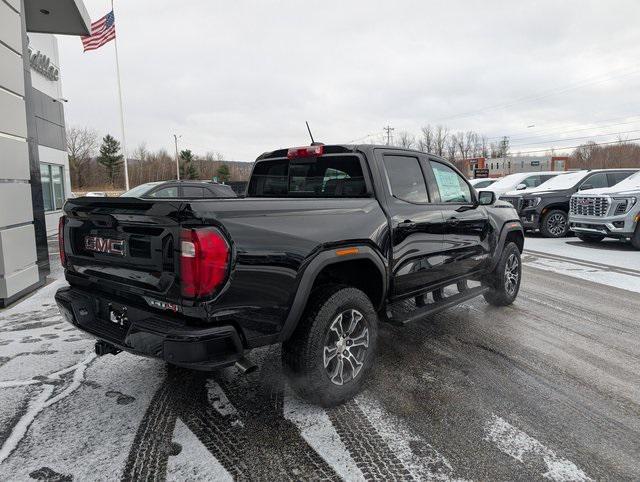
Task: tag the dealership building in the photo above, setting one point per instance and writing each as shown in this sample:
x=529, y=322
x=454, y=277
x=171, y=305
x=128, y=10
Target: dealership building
x=34, y=169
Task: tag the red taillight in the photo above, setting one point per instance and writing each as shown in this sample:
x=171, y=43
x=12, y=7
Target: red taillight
x=305, y=151
x=204, y=261
x=63, y=256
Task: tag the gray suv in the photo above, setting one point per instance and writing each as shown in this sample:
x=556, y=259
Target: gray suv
x=613, y=212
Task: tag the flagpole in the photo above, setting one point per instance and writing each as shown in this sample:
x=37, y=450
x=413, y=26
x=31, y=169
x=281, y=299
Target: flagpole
x=124, y=142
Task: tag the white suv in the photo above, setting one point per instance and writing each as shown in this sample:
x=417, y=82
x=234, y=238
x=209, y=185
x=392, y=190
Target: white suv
x=612, y=212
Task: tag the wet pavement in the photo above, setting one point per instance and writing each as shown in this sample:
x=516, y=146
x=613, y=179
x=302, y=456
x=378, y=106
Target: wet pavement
x=548, y=388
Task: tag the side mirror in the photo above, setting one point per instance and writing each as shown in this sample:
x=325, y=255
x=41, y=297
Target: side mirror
x=585, y=186
x=486, y=198
x=521, y=186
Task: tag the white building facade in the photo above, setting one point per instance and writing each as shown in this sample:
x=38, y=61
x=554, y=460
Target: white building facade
x=34, y=174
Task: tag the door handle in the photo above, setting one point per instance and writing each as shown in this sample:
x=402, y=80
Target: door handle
x=407, y=223
x=453, y=221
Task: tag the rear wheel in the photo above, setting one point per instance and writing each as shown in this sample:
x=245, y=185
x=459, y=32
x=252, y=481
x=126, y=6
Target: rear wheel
x=328, y=357
x=554, y=224
x=504, y=282
x=590, y=238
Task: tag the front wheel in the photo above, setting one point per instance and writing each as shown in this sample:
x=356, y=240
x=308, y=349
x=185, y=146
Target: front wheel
x=590, y=238
x=635, y=239
x=554, y=224
x=504, y=282
x=331, y=352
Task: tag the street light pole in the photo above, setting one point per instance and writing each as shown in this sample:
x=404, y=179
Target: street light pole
x=175, y=139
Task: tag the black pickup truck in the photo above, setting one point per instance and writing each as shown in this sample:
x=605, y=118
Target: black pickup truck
x=328, y=242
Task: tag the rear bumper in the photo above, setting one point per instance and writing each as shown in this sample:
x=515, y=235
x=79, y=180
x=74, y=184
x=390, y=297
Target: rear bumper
x=148, y=334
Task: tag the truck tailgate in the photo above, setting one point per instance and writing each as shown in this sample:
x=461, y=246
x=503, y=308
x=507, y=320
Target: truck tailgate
x=124, y=244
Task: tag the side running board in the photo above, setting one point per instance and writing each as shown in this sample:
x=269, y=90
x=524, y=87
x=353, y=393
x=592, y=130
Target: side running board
x=397, y=313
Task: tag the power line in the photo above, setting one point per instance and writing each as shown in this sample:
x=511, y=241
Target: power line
x=575, y=147
x=575, y=138
x=554, y=131
x=542, y=95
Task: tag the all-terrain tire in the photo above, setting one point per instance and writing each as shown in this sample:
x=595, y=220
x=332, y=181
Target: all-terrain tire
x=555, y=224
x=504, y=287
x=635, y=239
x=304, y=354
x=589, y=238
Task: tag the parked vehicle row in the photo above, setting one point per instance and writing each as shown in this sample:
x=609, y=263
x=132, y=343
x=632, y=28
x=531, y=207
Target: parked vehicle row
x=594, y=203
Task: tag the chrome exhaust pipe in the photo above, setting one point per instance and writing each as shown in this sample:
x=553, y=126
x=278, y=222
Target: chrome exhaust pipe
x=245, y=366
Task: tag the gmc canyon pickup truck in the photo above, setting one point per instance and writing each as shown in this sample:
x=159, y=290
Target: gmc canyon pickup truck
x=328, y=242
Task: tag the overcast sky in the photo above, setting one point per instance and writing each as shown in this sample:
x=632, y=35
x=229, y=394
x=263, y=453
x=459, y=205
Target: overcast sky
x=241, y=77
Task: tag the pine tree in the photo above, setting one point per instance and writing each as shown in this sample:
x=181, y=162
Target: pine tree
x=223, y=173
x=188, y=170
x=110, y=158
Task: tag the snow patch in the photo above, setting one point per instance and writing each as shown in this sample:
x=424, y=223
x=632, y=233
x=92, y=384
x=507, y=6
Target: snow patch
x=609, y=278
x=318, y=431
x=520, y=446
x=194, y=462
x=42, y=401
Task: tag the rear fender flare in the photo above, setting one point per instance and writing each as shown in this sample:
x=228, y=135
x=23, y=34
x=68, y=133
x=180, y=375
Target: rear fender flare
x=315, y=266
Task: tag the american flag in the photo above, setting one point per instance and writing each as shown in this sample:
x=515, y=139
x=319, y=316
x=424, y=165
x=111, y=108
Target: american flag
x=102, y=31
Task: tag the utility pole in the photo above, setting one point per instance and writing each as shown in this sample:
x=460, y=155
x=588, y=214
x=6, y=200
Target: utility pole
x=175, y=139
x=388, y=129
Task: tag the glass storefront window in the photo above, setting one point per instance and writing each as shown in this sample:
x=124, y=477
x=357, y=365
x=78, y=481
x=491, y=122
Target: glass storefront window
x=52, y=177
x=45, y=176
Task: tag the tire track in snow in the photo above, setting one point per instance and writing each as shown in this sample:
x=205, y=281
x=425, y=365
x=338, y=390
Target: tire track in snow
x=43, y=401
x=239, y=420
x=419, y=457
x=526, y=449
x=371, y=454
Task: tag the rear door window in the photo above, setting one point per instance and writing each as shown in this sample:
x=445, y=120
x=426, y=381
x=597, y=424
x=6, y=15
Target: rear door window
x=406, y=179
x=192, y=191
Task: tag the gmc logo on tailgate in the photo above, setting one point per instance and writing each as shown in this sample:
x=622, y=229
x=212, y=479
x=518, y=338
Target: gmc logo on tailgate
x=104, y=245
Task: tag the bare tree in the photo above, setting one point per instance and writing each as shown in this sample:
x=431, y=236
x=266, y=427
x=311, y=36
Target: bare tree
x=406, y=140
x=426, y=142
x=463, y=145
x=141, y=152
x=484, y=148
x=440, y=140
x=81, y=146
x=451, y=147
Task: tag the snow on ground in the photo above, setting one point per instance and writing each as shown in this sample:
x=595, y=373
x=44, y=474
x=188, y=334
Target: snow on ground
x=610, y=262
x=608, y=251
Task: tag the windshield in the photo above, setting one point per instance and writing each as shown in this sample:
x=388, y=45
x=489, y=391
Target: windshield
x=512, y=180
x=632, y=182
x=565, y=181
x=140, y=190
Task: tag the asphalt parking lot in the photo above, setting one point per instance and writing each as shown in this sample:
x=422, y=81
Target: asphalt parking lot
x=548, y=388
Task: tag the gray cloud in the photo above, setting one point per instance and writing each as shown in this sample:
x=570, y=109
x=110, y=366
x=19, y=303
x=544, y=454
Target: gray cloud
x=242, y=77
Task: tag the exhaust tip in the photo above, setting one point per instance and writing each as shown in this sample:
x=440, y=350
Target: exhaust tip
x=245, y=366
